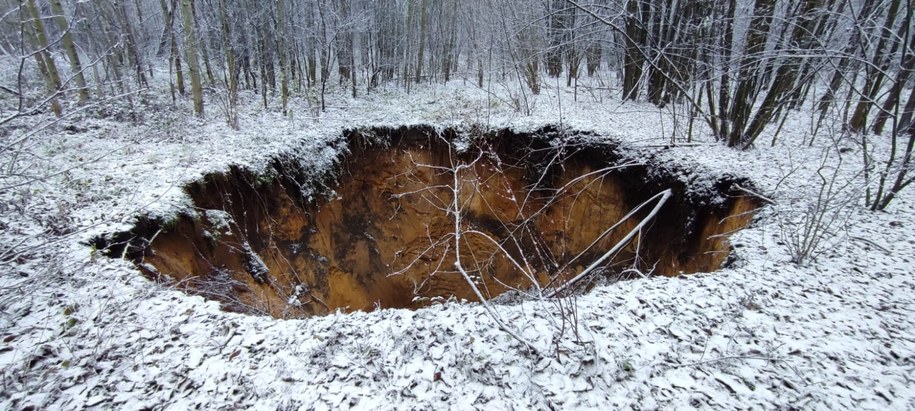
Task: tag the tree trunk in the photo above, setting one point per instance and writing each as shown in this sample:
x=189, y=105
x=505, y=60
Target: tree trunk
x=840, y=73
x=133, y=54
x=232, y=75
x=281, y=51
x=174, y=54
x=450, y=58
x=310, y=51
x=190, y=50
x=262, y=59
x=203, y=45
x=875, y=73
x=721, y=120
x=553, y=55
x=632, y=59
x=892, y=99
x=66, y=41
x=346, y=52
x=573, y=54
x=750, y=68
x=593, y=55
x=657, y=73
x=141, y=20
x=903, y=176
x=421, y=51
x=786, y=75
x=825, y=27
x=43, y=57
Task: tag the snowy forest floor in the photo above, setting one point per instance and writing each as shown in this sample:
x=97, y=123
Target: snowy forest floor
x=80, y=330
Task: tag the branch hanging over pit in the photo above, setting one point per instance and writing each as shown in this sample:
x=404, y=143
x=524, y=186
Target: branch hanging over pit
x=661, y=197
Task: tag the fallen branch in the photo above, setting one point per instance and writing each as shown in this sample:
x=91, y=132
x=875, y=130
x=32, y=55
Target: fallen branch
x=456, y=210
x=755, y=194
x=662, y=198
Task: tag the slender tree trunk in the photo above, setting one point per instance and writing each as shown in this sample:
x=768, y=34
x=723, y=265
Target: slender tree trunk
x=262, y=62
x=876, y=76
x=841, y=71
x=43, y=57
x=173, y=43
x=142, y=36
x=311, y=51
x=786, y=74
x=632, y=59
x=892, y=99
x=421, y=51
x=281, y=51
x=593, y=55
x=203, y=45
x=232, y=75
x=900, y=166
x=69, y=47
x=326, y=56
x=553, y=55
x=750, y=69
x=408, y=40
x=658, y=72
x=297, y=71
x=826, y=24
x=450, y=58
x=721, y=119
x=133, y=54
x=190, y=50
x=573, y=53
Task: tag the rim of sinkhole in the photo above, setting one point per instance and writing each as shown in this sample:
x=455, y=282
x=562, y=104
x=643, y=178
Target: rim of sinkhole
x=405, y=217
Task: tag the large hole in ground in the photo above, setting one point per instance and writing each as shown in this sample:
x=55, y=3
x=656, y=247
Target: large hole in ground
x=379, y=228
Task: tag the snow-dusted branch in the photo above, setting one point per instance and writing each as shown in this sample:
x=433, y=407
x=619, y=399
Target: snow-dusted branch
x=661, y=198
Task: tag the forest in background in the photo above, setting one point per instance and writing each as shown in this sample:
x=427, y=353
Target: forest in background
x=735, y=67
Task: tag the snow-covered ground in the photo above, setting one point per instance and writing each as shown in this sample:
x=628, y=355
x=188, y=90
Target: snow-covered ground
x=79, y=330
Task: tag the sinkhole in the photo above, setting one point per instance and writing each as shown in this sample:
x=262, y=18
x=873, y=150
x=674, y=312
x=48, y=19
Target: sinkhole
x=384, y=226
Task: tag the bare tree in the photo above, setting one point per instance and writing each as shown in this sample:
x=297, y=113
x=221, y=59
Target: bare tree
x=880, y=61
x=36, y=32
x=231, y=76
x=169, y=10
x=896, y=174
x=190, y=51
x=282, y=52
x=636, y=11
x=131, y=42
x=69, y=46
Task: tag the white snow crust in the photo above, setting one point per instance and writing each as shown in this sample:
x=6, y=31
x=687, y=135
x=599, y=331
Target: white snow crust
x=79, y=330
